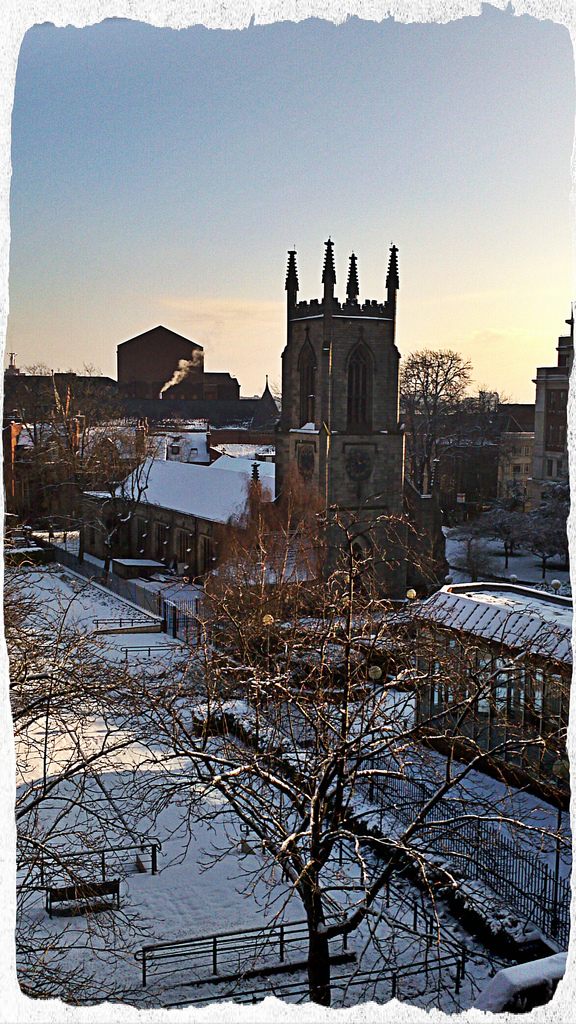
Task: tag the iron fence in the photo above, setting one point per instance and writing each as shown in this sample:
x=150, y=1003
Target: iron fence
x=45, y=867
x=180, y=619
x=234, y=952
x=480, y=852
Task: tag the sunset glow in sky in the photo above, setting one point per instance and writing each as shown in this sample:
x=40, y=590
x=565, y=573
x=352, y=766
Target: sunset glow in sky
x=159, y=177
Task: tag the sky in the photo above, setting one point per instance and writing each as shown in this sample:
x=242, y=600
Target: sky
x=160, y=176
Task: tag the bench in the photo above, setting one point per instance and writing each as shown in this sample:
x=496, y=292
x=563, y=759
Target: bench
x=83, y=892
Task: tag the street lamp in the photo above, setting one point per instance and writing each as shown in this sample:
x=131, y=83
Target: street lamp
x=561, y=769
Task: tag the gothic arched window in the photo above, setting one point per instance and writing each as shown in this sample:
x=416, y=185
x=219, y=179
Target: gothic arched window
x=360, y=390
x=307, y=385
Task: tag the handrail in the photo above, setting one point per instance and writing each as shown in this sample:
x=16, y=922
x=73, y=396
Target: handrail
x=129, y=620
x=149, y=648
x=281, y=933
x=153, y=845
x=298, y=988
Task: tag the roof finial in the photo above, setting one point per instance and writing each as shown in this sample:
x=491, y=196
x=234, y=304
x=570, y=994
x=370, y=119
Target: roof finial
x=352, y=288
x=329, y=271
x=392, y=280
x=292, y=272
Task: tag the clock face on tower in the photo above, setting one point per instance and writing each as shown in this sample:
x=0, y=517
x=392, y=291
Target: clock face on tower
x=358, y=462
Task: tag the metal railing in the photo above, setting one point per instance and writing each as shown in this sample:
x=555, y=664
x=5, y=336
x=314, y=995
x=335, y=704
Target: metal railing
x=47, y=866
x=147, y=650
x=232, y=951
x=480, y=852
x=446, y=971
x=124, y=622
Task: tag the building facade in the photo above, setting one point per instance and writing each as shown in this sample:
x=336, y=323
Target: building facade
x=161, y=362
x=515, y=466
x=171, y=510
x=495, y=665
x=550, y=460
x=339, y=428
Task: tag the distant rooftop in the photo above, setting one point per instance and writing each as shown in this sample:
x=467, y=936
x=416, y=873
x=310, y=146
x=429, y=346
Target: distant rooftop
x=238, y=464
x=213, y=493
x=517, y=617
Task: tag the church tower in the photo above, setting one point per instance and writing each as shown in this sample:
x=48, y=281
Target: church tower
x=339, y=428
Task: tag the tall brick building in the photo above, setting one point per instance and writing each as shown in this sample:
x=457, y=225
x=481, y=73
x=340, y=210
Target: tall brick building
x=550, y=462
x=339, y=427
x=160, y=363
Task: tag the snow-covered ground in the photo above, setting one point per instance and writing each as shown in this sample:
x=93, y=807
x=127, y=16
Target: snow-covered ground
x=525, y=566
x=208, y=883
x=213, y=877
x=92, y=611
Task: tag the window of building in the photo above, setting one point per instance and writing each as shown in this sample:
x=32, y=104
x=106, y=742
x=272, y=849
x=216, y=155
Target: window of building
x=527, y=468
x=141, y=535
x=550, y=435
x=552, y=401
x=562, y=399
x=527, y=450
x=359, y=391
x=183, y=547
x=516, y=469
x=307, y=385
x=537, y=691
x=559, y=467
x=205, y=554
x=483, y=704
x=549, y=467
x=161, y=540
x=561, y=433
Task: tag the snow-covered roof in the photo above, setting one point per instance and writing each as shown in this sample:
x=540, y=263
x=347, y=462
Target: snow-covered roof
x=514, y=981
x=205, y=492
x=507, y=614
x=184, y=446
x=266, y=470
x=246, y=451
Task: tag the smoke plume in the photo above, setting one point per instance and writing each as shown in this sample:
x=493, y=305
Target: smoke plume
x=185, y=367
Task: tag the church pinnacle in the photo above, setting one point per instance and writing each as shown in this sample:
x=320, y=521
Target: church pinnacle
x=352, y=288
x=392, y=279
x=292, y=273
x=329, y=271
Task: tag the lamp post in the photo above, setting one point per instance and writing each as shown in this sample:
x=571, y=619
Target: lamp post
x=374, y=674
x=268, y=621
x=561, y=769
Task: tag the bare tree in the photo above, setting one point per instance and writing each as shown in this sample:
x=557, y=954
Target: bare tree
x=432, y=385
x=74, y=439
x=288, y=726
x=69, y=726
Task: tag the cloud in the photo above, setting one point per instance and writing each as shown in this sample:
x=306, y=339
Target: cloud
x=502, y=336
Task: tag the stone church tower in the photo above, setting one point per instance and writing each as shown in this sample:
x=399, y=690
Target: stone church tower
x=339, y=428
